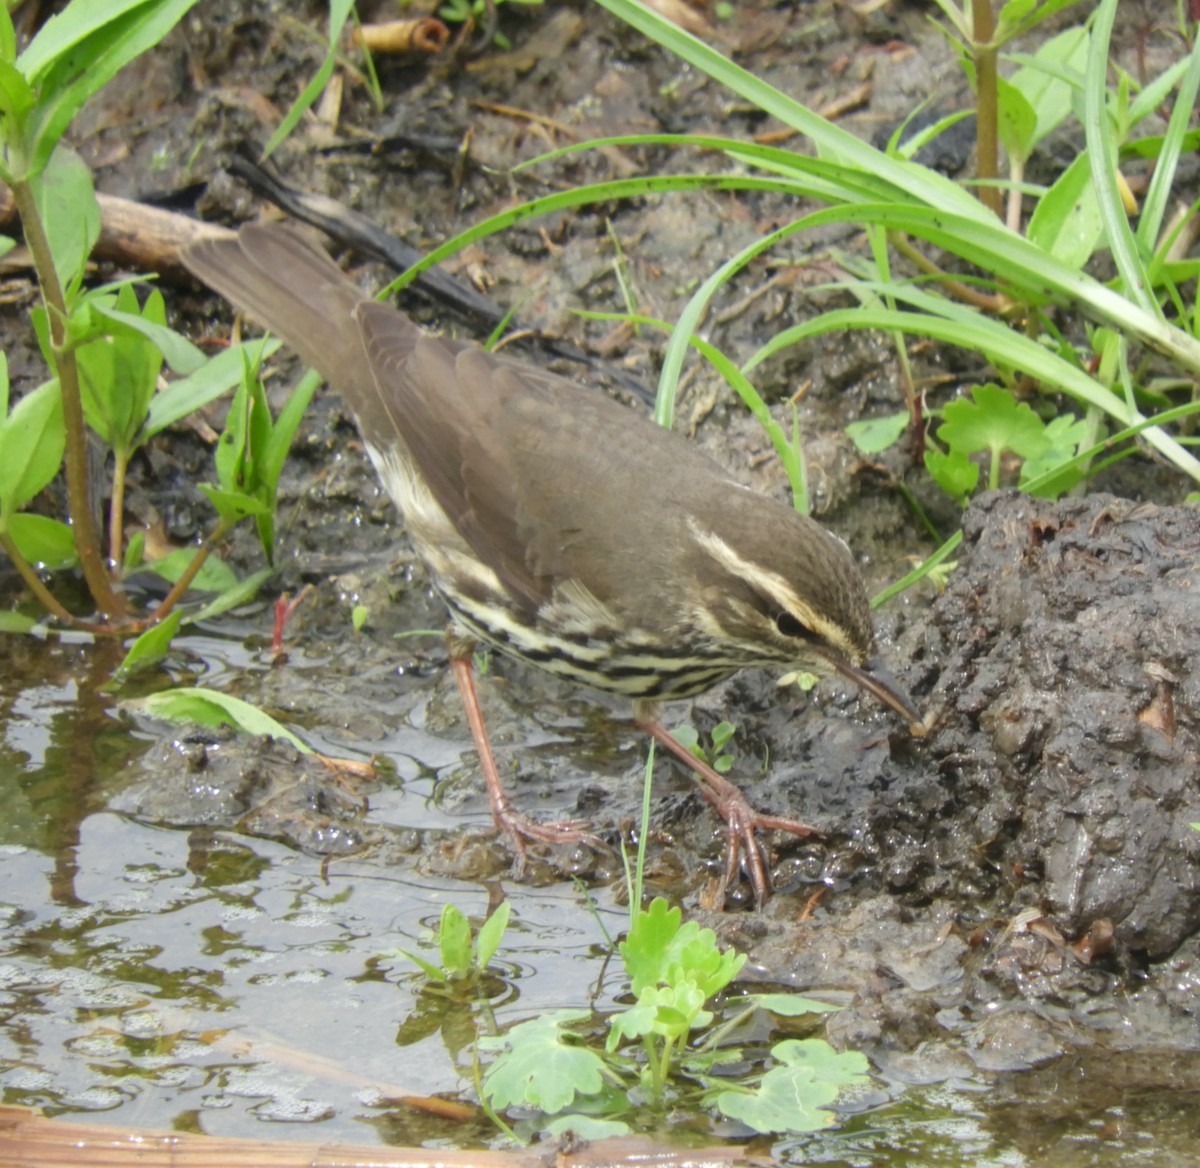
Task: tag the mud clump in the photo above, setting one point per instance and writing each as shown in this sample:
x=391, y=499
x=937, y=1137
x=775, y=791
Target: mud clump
x=1069, y=707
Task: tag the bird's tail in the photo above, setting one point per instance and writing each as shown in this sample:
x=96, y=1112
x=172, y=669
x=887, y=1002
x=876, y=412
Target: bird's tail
x=296, y=291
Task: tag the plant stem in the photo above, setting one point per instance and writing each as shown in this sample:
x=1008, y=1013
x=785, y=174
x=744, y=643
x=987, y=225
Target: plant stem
x=33, y=582
x=79, y=497
x=994, y=302
x=185, y=581
x=987, y=109
x=116, y=507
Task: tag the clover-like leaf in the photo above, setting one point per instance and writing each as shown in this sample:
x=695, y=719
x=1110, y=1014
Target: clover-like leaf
x=538, y=1067
x=793, y=1094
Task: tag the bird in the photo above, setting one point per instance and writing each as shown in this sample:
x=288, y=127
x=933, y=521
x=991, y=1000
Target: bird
x=565, y=529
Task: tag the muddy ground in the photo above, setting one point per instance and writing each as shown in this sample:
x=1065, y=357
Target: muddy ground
x=1021, y=883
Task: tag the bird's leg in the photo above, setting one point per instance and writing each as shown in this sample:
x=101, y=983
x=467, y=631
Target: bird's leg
x=508, y=819
x=741, y=820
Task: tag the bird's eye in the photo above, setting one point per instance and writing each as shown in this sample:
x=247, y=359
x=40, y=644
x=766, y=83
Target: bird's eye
x=789, y=626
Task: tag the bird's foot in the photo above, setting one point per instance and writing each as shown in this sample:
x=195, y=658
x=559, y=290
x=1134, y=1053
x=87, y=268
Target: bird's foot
x=743, y=848
x=521, y=830
x=742, y=823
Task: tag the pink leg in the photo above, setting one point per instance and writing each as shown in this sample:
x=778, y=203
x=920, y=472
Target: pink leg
x=741, y=820
x=509, y=820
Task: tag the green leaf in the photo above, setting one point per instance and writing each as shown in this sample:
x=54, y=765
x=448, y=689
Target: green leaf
x=1017, y=122
x=8, y=37
x=491, y=933
x=214, y=576
x=17, y=622
x=70, y=214
x=431, y=971
x=238, y=593
x=1065, y=436
x=339, y=10
x=454, y=941
x=46, y=543
x=1066, y=221
x=119, y=372
x=79, y=51
x=992, y=420
x=32, y=440
x=538, y=1067
x=1052, y=78
x=955, y=473
x=873, y=435
x=792, y=1095
x=217, y=376
x=150, y=648
x=180, y=354
x=790, y=1005
x=232, y=506
x=586, y=1127
x=669, y=1011
x=16, y=98
x=208, y=707
x=659, y=950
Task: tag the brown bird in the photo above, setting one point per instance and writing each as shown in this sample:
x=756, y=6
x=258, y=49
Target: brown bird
x=563, y=528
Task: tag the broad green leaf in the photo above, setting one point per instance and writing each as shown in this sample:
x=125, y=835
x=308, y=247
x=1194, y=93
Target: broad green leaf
x=8, y=37
x=17, y=622
x=668, y=1011
x=454, y=941
x=180, y=354
x=70, y=214
x=793, y=1094
x=874, y=435
x=1052, y=78
x=1019, y=16
x=586, y=1127
x=539, y=1067
x=660, y=950
x=1064, y=436
x=148, y=649
x=16, y=98
x=46, y=543
x=209, y=707
x=32, y=439
x=119, y=372
x=1066, y=221
x=992, y=419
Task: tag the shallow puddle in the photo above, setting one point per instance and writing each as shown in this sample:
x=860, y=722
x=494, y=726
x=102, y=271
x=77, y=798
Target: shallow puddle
x=206, y=980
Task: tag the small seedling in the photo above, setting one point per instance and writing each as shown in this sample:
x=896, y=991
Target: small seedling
x=993, y=421
x=460, y=11
x=464, y=955
x=715, y=754
x=663, y=1049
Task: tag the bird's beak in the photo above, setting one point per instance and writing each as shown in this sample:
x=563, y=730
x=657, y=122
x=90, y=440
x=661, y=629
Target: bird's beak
x=875, y=679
